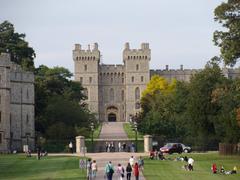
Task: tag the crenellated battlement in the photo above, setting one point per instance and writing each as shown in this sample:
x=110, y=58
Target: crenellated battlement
x=86, y=54
x=144, y=53
x=112, y=68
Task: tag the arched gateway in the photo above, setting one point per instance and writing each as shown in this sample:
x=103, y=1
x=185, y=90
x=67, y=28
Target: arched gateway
x=112, y=114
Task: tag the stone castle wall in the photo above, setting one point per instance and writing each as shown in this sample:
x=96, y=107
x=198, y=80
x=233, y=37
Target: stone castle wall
x=17, y=125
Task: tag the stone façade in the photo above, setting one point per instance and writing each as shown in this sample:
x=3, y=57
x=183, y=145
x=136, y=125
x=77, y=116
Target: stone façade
x=16, y=106
x=114, y=91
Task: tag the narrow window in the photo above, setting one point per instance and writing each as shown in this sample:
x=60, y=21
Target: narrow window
x=85, y=67
x=122, y=95
x=132, y=78
x=90, y=79
x=0, y=116
x=122, y=80
x=141, y=78
x=137, y=67
x=27, y=119
x=81, y=79
x=111, y=80
x=137, y=93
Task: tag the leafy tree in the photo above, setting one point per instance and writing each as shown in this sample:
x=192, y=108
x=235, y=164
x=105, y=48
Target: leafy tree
x=200, y=109
x=13, y=43
x=228, y=14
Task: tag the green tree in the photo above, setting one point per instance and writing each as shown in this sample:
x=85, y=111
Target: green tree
x=13, y=43
x=228, y=39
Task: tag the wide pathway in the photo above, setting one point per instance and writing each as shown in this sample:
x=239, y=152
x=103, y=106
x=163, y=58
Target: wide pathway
x=113, y=130
x=118, y=157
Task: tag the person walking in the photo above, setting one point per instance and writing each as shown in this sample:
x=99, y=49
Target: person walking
x=129, y=171
x=119, y=147
x=141, y=163
x=70, y=147
x=136, y=171
x=131, y=161
x=109, y=170
x=94, y=169
x=120, y=172
x=89, y=169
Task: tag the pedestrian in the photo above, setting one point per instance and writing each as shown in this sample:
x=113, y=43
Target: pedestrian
x=136, y=171
x=106, y=146
x=70, y=147
x=94, y=169
x=89, y=169
x=129, y=171
x=119, y=146
x=131, y=161
x=109, y=147
x=120, y=172
x=190, y=164
x=141, y=163
x=112, y=147
x=133, y=147
x=109, y=170
x=38, y=153
x=124, y=146
x=214, y=168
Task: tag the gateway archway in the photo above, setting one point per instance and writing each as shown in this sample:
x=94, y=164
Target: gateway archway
x=112, y=117
x=112, y=114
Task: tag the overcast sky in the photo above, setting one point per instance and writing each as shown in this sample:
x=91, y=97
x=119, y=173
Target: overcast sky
x=179, y=31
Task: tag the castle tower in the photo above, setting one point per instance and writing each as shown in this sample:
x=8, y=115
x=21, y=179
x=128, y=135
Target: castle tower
x=137, y=76
x=4, y=102
x=86, y=64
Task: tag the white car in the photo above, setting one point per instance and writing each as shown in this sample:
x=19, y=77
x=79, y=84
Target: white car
x=186, y=149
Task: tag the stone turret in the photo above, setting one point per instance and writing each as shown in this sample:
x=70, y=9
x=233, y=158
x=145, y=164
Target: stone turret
x=86, y=62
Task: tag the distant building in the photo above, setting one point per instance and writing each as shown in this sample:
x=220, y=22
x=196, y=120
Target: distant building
x=114, y=91
x=16, y=106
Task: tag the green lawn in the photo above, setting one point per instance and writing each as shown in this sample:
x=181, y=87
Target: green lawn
x=169, y=169
x=130, y=132
x=21, y=168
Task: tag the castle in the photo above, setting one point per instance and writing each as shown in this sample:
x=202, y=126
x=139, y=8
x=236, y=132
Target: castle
x=16, y=106
x=114, y=91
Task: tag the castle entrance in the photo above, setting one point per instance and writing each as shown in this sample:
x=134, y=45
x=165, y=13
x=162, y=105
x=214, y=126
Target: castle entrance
x=112, y=114
x=112, y=117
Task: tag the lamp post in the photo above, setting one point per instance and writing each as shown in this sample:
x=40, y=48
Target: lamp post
x=136, y=138
x=92, y=130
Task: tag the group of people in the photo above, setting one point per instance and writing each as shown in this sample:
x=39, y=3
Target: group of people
x=121, y=147
x=156, y=155
x=222, y=170
x=133, y=167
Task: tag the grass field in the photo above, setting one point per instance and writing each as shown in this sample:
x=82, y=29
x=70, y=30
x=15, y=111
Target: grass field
x=169, y=169
x=21, y=168
x=130, y=132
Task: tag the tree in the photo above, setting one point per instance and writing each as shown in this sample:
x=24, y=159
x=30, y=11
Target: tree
x=228, y=14
x=13, y=43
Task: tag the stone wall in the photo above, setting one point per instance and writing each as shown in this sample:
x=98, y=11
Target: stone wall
x=17, y=125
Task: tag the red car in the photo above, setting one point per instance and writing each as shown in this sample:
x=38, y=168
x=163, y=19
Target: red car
x=172, y=148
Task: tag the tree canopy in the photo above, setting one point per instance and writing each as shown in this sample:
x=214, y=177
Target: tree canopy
x=228, y=39
x=14, y=43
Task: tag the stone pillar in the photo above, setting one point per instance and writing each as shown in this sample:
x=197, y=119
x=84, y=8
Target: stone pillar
x=147, y=143
x=80, y=144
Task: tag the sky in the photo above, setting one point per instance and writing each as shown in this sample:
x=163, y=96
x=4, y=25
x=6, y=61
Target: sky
x=178, y=31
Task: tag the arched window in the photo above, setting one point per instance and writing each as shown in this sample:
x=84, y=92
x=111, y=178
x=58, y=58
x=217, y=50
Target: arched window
x=141, y=78
x=122, y=95
x=85, y=67
x=132, y=78
x=145, y=57
x=111, y=94
x=137, y=93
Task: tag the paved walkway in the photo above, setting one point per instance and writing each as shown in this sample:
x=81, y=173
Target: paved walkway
x=113, y=130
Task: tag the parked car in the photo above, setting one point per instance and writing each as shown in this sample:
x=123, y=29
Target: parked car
x=186, y=149
x=172, y=148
